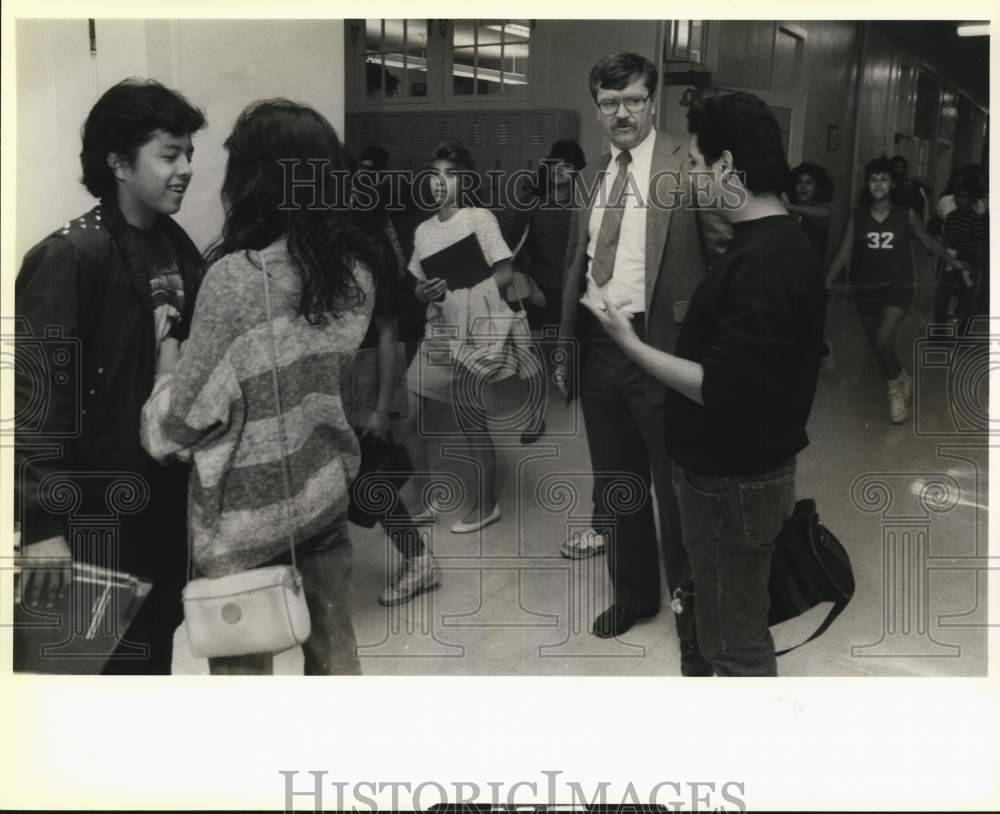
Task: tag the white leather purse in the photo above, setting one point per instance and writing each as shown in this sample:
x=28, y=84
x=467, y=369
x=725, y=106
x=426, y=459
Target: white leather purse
x=262, y=610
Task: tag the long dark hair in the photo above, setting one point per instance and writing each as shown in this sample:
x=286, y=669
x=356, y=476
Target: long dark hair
x=273, y=142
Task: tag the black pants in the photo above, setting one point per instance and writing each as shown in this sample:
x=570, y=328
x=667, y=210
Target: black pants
x=951, y=284
x=156, y=549
x=627, y=442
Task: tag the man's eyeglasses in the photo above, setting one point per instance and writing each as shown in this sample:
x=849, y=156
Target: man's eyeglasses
x=633, y=104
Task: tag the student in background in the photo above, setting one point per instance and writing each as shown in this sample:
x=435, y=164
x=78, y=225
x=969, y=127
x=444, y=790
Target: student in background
x=402, y=216
x=964, y=234
x=905, y=190
x=444, y=369
x=809, y=199
x=547, y=223
x=877, y=250
x=414, y=569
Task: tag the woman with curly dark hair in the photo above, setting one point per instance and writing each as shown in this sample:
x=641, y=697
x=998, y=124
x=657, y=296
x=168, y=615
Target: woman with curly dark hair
x=810, y=193
x=809, y=197
x=255, y=399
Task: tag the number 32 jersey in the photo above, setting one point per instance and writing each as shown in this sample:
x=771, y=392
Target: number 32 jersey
x=882, y=252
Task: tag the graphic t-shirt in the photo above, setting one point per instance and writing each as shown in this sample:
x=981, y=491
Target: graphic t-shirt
x=162, y=266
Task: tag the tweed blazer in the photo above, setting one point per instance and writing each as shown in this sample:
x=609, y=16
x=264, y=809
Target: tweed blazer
x=676, y=255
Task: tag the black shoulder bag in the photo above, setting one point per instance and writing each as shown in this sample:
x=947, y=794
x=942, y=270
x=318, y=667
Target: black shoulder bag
x=809, y=566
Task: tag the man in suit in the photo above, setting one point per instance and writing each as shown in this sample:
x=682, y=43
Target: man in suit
x=648, y=253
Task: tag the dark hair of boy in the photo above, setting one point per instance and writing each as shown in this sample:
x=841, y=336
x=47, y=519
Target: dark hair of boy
x=971, y=186
x=877, y=166
x=123, y=120
x=619, y=69
x=321, y=239
x=743, y=124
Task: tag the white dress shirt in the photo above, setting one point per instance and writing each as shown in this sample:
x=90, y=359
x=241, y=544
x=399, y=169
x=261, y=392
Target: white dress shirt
x=629, y=278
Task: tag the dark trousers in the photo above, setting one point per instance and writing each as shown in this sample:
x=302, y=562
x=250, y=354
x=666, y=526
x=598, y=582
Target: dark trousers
x=153, y=630
x=730, y=527
x=951, y=284
x=626, y=436
x=155, y=548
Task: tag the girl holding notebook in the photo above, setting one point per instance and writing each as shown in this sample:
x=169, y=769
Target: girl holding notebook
x=462, y=267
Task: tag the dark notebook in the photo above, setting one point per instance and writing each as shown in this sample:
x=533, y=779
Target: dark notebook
x=460, y=265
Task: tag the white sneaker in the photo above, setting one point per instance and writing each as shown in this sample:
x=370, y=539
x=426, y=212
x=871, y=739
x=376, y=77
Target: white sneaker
x=582, y=546
x=906, y=385
x=416, y=574
x=899, y=408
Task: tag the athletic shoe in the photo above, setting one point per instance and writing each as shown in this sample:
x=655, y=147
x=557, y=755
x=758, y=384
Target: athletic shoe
x=417, y=574
x=899, y=409
x=906, y=385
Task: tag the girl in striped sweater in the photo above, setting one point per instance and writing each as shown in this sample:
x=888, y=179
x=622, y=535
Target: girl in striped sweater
x=215, y=403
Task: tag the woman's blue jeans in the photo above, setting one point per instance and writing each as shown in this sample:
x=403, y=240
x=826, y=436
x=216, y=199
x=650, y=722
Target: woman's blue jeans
x=730, y=524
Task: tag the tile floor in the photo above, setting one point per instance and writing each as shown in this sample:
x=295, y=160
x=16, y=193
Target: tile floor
x=908, y=502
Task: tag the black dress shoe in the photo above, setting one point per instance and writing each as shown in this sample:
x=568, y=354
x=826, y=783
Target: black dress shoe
x=618, y=619
x=693, y=663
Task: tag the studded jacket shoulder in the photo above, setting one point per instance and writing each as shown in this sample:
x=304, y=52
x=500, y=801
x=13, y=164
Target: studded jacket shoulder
x=85, y=355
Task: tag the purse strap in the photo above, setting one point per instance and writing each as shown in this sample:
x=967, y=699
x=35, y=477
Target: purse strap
x=281, y=439
x=281, y=417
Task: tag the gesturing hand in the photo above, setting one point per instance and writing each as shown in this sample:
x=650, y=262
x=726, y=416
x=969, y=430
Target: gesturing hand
x=616, y=323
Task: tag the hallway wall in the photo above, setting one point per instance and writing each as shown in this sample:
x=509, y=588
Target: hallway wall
x=58, y=81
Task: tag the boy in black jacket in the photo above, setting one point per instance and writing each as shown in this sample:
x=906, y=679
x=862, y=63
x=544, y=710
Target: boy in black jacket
x=93, y=301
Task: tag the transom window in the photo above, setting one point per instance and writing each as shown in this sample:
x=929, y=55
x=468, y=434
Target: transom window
x=396, y=58
x=490, y=57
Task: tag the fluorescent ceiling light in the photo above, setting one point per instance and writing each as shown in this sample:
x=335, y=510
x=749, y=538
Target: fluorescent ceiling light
x=514, y=29
x=490, y=75
x=974, y=30
x=420, y=64
x=396, y=61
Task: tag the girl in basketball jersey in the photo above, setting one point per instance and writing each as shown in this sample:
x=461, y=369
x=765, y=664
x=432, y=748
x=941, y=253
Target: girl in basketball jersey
x=877, y=245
